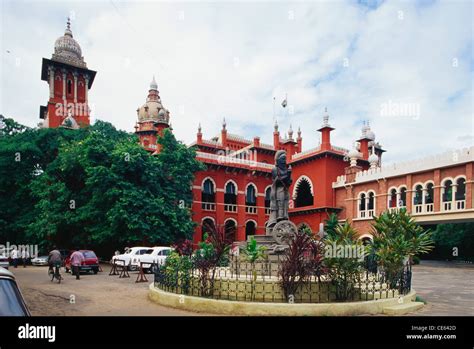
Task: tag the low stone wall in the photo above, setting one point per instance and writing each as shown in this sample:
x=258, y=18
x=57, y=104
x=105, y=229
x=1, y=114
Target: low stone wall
x=242, y=287
x=226, y=307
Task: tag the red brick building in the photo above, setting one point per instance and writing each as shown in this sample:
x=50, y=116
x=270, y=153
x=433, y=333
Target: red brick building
x=234, y=190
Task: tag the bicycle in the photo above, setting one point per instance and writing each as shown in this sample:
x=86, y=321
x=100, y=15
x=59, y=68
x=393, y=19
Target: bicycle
x=55, y=274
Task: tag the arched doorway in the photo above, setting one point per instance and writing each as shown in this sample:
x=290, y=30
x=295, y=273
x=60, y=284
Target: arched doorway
x=304, y=197
x=207, y=225
x=250, y=229
x=231, y=229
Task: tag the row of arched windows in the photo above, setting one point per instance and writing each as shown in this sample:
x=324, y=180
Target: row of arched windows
x=302, y=195
x=208, y=196
x=230, y=226
x=452, y=197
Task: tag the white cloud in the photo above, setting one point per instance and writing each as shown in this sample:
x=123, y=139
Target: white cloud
x=229, y=59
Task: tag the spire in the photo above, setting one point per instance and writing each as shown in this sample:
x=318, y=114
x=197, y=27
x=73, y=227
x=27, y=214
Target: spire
x=153, y=84
x=290, y=133
x=276, y=125
x=199, y=128
x=325, y=118
x=299, y=132
x=224, y=124
x=68, y=28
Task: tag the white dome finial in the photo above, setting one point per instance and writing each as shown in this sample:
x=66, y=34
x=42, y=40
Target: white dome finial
x=373, y=159
x=354, y=154
x=290, y=132
x=153, y=84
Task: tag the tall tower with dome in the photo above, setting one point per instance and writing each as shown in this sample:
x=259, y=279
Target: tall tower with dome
x=153, y=118
x=69, y=82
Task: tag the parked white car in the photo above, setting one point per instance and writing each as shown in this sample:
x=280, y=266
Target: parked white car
x=157, y=256
x=4, y=261
x=132, y=253
x=41, y=260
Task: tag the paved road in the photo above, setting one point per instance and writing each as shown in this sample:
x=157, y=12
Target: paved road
x=447, y=287
x=99, y=294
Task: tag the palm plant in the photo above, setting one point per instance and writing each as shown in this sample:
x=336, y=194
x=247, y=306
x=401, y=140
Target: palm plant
x=344, y=270
x=253, y=253
x=397, y=238
x=331, y=224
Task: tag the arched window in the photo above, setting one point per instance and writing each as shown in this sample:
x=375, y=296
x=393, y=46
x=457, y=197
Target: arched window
x=207, y=225
x=304, y=197
x=267, y=200
x=251, y=199
x=251, y=196
x=230, y=197
x=418, y=197
x=460, y=195
x=448, y=191
x=447, y=195
x=250, y=229
x=371, y=204
x=69, y=87
x=392, y=198
x=208, y=195
x=429, y=197
x=403, y=197
x=461, y=189
x=362, y=205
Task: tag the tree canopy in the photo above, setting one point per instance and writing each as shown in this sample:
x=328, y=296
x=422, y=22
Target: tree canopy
x=95, y=187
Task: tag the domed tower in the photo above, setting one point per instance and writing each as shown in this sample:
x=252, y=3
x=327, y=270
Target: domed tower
x=69, y=82
x=153, y=118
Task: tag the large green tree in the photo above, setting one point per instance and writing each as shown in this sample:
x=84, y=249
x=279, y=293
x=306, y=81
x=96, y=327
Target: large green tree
x=94, y=187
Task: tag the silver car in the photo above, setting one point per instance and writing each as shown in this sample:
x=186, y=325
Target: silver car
x=11, y=300
x=41, y=260
x=4, y=262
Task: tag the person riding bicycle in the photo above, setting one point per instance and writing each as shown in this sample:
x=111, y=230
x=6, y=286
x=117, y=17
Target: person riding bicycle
x=55, y=259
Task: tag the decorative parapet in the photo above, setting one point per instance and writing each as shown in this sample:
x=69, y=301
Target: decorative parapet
x=305, y=153
x=339, y=149
x=233, y=160
x=446, y=159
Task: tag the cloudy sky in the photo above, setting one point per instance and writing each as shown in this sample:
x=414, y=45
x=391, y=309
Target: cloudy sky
x=405, y=66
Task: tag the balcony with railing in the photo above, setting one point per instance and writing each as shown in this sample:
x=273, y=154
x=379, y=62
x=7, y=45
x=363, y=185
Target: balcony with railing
x=230, y=208
x=208, y=206
x=251, y=209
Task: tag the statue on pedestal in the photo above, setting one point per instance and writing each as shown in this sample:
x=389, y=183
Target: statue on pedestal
x=278, y=224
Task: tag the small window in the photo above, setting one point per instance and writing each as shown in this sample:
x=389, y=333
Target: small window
x=69, y=87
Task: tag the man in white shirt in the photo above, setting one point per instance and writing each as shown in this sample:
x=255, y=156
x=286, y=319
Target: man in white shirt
x=14, y=257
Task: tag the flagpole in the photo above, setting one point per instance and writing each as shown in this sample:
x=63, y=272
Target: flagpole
x=274, y=118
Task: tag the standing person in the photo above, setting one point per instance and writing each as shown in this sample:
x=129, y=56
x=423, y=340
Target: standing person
x=14, y=256
x=24, y=256
x=76, y=260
